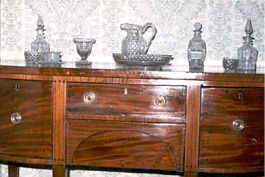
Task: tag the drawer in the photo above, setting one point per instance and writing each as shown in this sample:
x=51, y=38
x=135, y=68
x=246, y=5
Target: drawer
x=115, y=99
x=125, y=145
x=232, y=129
x=26, y=118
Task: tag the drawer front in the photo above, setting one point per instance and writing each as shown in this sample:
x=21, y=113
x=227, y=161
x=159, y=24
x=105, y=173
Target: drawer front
x=26, y=123
x=115, y=99
x=125, y=145
x=232, y=129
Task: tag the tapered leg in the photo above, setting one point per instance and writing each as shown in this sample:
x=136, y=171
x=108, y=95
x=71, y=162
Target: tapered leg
x=60, y=171
x=191, y=174
x=13, y=171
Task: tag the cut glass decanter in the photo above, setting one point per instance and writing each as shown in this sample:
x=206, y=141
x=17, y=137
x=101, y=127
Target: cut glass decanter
x=247, y=54
x=197, y=50
x=40, y=46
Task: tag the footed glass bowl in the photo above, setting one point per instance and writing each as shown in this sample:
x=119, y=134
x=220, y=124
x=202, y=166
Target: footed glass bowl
x=84, y=48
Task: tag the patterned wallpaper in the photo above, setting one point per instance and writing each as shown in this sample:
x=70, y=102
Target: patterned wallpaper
x=223, y=27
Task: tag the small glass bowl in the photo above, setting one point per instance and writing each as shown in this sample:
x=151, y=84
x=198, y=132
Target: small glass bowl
x=84, y=46
x=230, y=64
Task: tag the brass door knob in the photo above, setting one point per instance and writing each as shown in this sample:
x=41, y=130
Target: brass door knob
x=238, y=125
x=15, y=118
x=160, y=101
x=89, y=97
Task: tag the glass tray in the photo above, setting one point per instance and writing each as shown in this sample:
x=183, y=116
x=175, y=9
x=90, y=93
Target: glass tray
x=142, y=60
x=38, y=60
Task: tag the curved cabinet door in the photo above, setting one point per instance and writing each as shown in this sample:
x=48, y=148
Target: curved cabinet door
x=125, y=145
x=232, y=130
x=26, y=119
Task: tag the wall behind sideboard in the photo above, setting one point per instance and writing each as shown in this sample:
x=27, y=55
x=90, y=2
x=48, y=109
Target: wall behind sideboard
x=223, y=25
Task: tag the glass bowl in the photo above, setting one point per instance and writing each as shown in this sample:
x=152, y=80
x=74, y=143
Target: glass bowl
x=230, y=64
x=84, y=47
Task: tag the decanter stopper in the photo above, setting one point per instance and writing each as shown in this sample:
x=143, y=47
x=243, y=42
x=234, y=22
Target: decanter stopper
x=197, y=50
x=40, y=23
x=247, y=54
x=249, y=28
x=40, y=46
x=198, y=27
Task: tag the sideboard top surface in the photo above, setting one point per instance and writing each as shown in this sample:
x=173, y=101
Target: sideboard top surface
x=110, y=70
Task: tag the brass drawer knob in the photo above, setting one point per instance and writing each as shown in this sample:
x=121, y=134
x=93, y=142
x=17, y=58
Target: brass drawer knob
x=238, y=125
x=253, y=140
x=15, y=118
x=89, y=97
x=160, y=101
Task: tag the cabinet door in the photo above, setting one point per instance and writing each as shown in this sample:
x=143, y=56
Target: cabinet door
x=125, y=145
x=232, y=130
x=26, y=119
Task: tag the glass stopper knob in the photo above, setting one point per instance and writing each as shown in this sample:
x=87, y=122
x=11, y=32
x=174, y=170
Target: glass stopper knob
x=197, y=26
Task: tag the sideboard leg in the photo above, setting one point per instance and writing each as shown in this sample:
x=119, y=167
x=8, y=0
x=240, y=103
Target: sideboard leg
x=13, y=171
x=191, y=174
x=60, y=171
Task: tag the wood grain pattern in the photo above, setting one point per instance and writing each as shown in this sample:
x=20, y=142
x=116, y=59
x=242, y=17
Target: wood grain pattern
x=125, y=145
x=32, y=137
x=191, y=133
x=59, y=90
x=192, y=130
x=115, y=99
x=223, y=149
x=25, y=160
x=129, y=74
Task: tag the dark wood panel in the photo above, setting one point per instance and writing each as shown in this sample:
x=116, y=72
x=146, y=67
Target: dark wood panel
x=6, y=96
x=117, y=99
x=158, y=144
x=5, y=158
x=221, y=145
x=164, y=117
x=119, y=72
x=125, y=145
x=32, y=137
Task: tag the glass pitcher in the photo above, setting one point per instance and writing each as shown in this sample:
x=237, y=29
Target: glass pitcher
x=135, y=43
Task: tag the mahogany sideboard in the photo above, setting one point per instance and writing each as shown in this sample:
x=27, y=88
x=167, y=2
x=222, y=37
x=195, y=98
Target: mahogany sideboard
x=124, y=118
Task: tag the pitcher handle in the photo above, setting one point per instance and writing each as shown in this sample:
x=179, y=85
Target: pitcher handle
x=154, y=31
